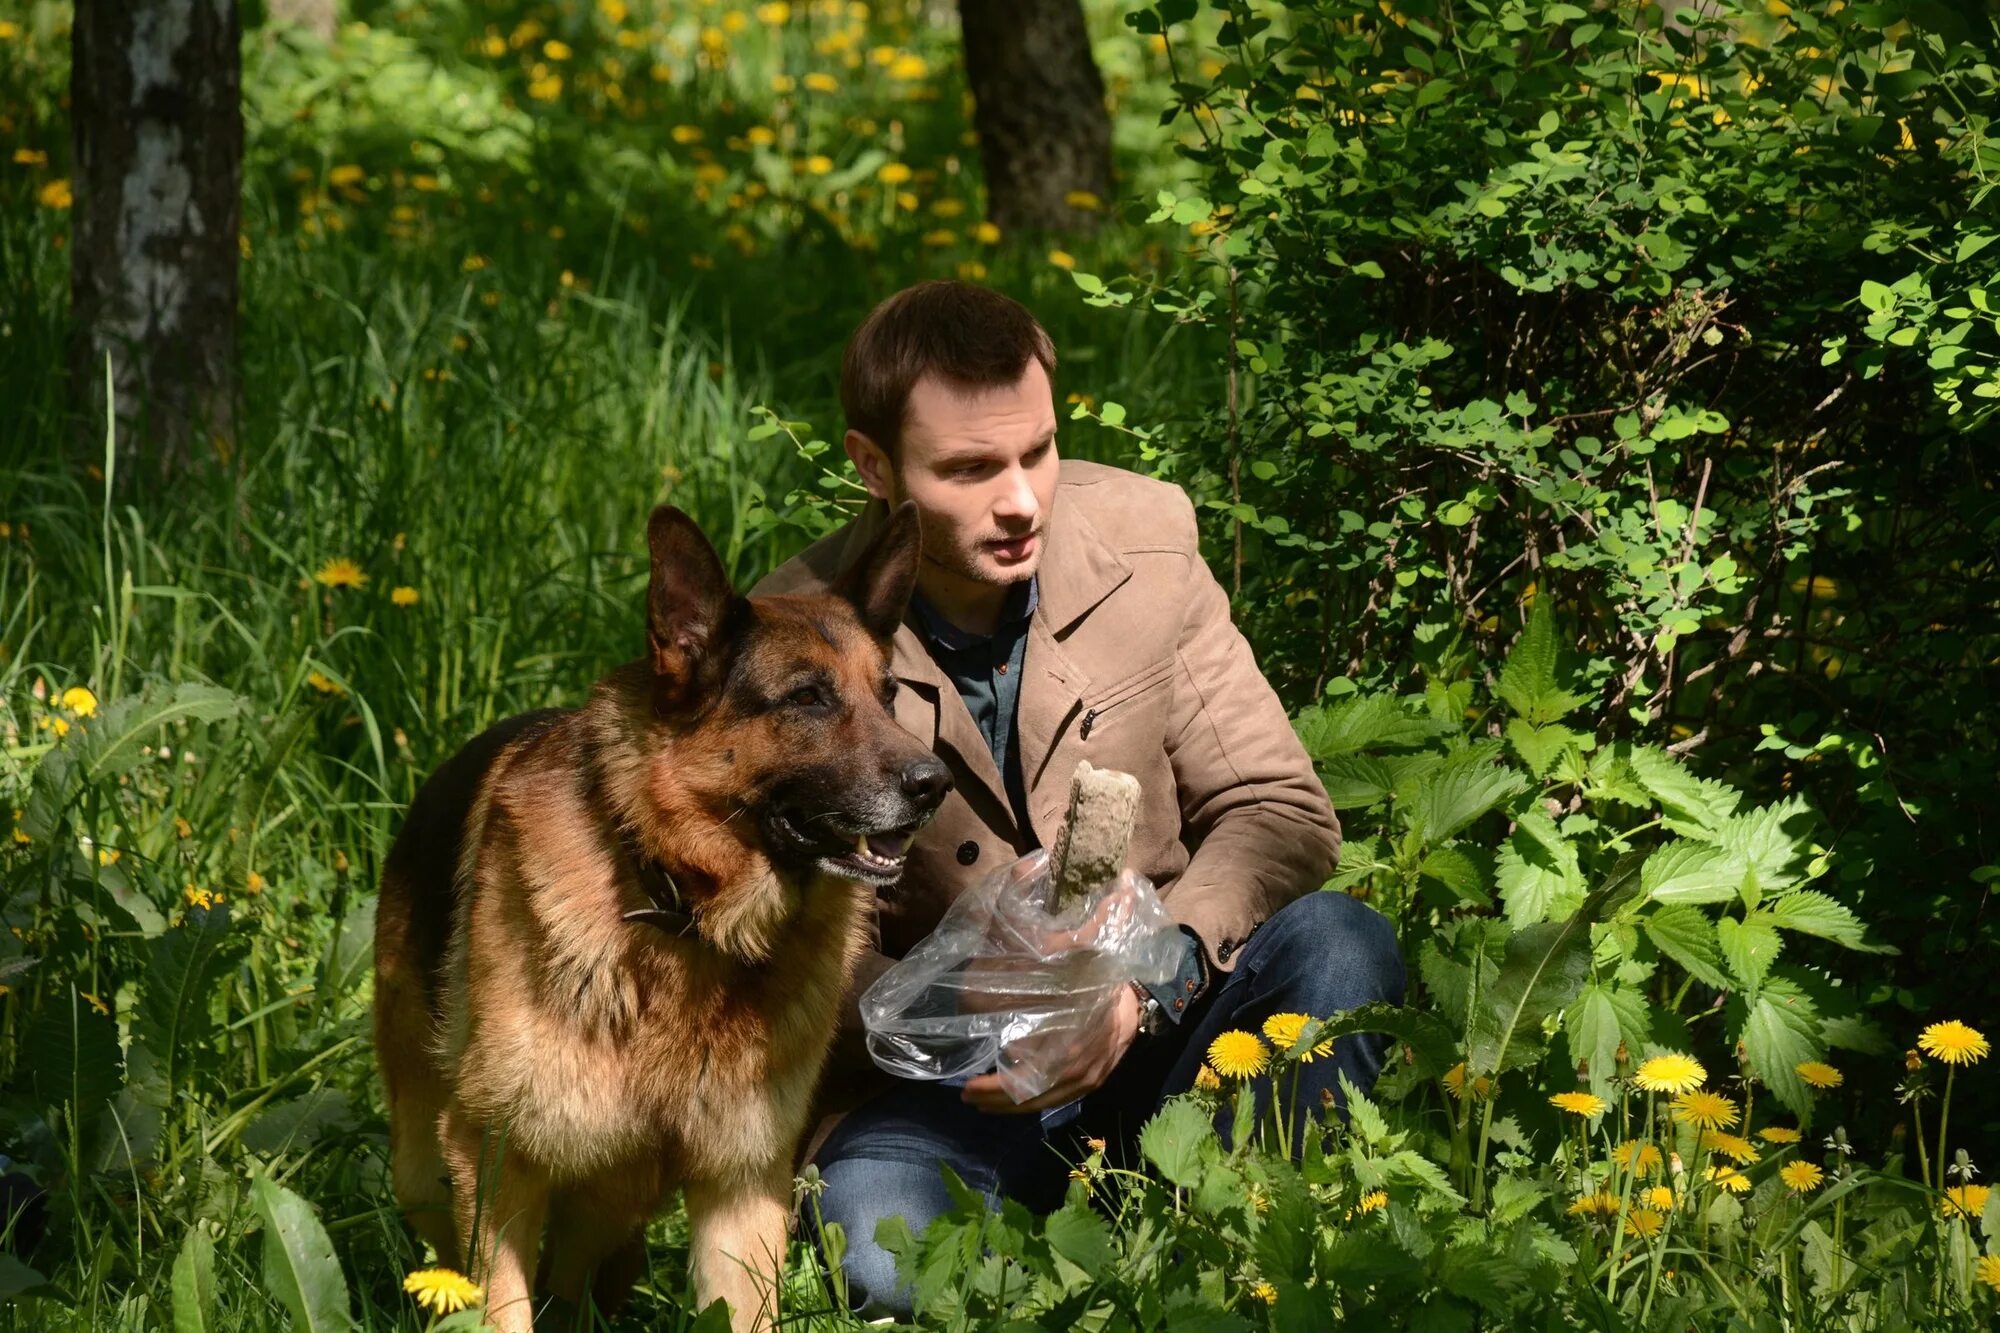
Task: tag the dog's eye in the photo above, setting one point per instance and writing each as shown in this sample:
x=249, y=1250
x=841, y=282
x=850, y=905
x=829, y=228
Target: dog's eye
x=806, y=696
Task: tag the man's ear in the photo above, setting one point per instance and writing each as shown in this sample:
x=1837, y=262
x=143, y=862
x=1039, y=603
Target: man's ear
x=687, y=603
x=871, y=461
x=879, y=584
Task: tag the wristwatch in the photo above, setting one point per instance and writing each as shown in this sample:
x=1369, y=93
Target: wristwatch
x=1152, y=1020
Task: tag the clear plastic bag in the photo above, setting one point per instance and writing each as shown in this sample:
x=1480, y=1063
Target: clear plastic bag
x=1005, y=984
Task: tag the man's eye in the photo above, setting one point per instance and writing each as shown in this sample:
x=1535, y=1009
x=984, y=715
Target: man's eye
x=806, y=696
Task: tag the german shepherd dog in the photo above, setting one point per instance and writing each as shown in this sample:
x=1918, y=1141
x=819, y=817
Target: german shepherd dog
x=613, y=940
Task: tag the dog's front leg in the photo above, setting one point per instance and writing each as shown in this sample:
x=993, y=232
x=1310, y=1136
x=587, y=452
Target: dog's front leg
x=737, y=1228
x=499, y=1201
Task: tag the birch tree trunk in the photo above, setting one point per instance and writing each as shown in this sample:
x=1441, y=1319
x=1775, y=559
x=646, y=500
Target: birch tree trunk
x=157, y=130
x=1038, y=105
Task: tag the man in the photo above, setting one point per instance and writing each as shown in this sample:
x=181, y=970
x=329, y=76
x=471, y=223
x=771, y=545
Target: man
x=1063, y=612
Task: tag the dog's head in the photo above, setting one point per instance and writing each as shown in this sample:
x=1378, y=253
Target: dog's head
x=787, y=702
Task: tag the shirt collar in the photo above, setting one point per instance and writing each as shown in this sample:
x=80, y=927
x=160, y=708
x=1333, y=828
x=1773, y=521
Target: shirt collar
x=1022, y=599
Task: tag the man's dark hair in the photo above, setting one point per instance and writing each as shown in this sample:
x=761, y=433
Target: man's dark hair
x=970, y=337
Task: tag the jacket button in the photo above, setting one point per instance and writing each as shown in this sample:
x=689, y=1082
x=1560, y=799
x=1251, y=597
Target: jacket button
x=968, y=852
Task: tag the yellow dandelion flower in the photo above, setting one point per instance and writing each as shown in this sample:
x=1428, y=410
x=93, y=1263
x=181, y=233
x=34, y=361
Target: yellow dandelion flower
x=30, y=157
x=442, y=1291
x=340, y=572
x=1967, y=1201
x=1801, y=1177
x=760, y=136
x=986, y=233
x=1733, y=1146
x=1820, y=1075
x=1078, y=1173
x=1778, y=1134
x=348, y=173
x=199, y=897
x=1373, y=1201
x=821, y=83
x=973, y=271
x=56, y=195
x=1644, y=1222
x=1454, y=1082
x=685, y=134
x=1705, y=1110
x=1601, y=1203
x=324, y=684
x=1579, y=1103
x=893, y=173
x=1283, y=1029
x=59, y=725
x=1206, y=1079
x=556, y=50
x=1988, y=1269
x=404, y=595
x=1657, y=1197
x=1084, y=200
x=9, y=30
x=1265, y=1292
x=79, y=700
x=941, y=237
x=1062, y=259
x=1729, y=1178
x=182, y=829
x=776, y=13
x=253, y=883
x=547, y=88
x=783, y=83
x=1238, y=1054
x=1671, y=1073
x=1953, y=1042
x=97, y=1004
x=1648, y=1156
x=908, y=67
x=819, y=164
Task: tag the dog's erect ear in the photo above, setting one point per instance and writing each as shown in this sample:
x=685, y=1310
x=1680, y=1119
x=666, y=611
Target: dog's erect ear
x=687, y=603
x=880, y=582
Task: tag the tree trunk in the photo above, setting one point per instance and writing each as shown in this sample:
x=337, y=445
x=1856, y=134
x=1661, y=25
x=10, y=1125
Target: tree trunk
x=1044, y=133
x=157, y=131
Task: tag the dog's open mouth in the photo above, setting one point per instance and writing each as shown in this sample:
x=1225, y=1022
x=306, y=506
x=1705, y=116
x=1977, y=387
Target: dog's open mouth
x=874, y=858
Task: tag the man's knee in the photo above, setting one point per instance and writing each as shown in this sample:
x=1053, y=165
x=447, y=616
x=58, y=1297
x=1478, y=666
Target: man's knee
x=1346, y=947
x=859, y=1195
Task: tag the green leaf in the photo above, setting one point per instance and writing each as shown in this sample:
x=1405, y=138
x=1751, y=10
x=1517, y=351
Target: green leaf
x=300, y=1269
x=1543, y=969
x=1454, y=868
x=1600, y=1018
x=1430, y=1040
x=1539, y=747
x=1751, y=945
x=1537, y=871
x=70, y=1057
x=1355, y=781
x=1173, y=1140
x=1527, y=682
x=1771, y=842
x=172, y=1017
x=1812, y=913
x=1461, y=793
x=1698, y=801
x=1361, y=722
x=1421, y=1170
x=1691, y=872
x=1781, y=1032
x=194, y=1283
x=1285, y=1232
x=110, y=743
x=1686, y=935
x=1078, y=1234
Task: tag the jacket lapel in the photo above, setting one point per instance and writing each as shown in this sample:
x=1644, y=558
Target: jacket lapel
x=1079, y=570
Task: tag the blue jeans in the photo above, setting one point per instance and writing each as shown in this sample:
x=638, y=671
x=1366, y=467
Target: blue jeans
x=1319, y=955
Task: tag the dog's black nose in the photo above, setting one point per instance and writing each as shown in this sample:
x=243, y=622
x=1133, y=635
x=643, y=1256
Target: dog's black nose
x=926, y=781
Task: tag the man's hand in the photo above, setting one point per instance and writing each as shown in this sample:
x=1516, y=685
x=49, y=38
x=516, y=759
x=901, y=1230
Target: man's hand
x=1092, y=1059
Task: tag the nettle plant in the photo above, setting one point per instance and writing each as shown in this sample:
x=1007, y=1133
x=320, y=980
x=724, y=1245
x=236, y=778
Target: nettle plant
x=1600, y=1104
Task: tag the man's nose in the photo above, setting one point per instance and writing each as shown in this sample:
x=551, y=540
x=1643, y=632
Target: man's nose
x=1017, y=497
x=925, y=781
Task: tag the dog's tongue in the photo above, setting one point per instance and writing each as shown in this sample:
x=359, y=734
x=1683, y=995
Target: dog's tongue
x=891, y=845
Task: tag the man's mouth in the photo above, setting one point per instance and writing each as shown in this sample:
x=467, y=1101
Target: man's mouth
x=1012, y=550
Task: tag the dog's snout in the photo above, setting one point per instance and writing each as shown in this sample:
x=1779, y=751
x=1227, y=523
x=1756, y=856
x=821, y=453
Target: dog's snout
x=925, y=781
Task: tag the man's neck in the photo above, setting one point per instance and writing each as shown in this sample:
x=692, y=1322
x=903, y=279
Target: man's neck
x=971, y=605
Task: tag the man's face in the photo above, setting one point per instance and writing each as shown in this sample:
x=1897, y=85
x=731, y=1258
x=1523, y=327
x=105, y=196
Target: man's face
x=982, y=470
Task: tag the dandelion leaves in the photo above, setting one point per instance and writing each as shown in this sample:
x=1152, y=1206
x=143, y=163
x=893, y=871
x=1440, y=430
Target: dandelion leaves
x=300, y=1269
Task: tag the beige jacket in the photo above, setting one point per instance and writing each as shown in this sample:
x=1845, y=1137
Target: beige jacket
x=1133, y=664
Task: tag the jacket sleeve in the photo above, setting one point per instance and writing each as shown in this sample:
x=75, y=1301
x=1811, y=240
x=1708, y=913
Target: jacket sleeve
x=1254, y=814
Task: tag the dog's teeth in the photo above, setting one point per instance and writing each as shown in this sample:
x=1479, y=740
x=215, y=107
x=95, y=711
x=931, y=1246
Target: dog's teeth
x=861, y=844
